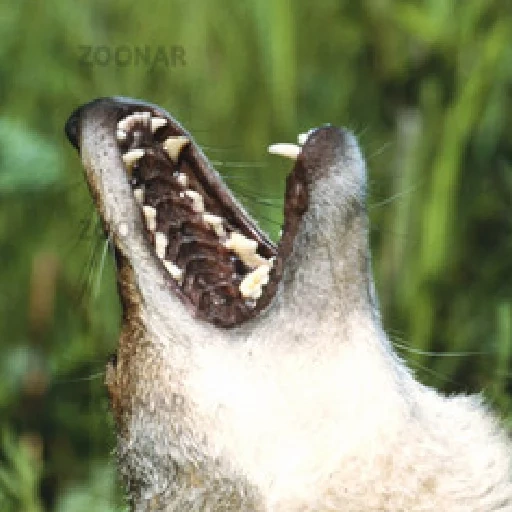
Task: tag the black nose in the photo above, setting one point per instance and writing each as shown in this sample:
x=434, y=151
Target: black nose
x=72, y=127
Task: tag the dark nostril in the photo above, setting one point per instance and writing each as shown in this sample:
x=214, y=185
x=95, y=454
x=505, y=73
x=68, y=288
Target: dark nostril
x=72, y=127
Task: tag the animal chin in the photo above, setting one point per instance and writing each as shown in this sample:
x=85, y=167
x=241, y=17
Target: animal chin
x=215, y=257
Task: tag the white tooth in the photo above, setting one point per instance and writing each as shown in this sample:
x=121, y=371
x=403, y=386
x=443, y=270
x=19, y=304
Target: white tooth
x=127, y=123
x=197, y=200
x=121, y=135
x=160, y=244
x=176, y=272
x=303, y=137
x=288, y=150
x=130, y=157
x=245, y=249
x=145, y=116
x=139, y=195
x=215, y=222
x=251, y=286
x=174, y=145
x=182, y=179
x=156, y=123
x=150, y=216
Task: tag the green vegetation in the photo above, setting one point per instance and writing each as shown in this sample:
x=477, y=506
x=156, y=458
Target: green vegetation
x=426, y=86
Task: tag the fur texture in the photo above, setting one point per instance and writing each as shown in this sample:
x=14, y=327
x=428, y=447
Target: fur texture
x=305, y=408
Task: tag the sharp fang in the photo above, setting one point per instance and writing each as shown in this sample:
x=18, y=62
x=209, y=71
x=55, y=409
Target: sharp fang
x=121, y=135
x=130, y=157
x=245, y=249
x=176, y=272
x=197, y=200
x=251, y=286
x=139, y=195
x=150, y=216
x=174, y=145
x=215, y=222
x=288, y=150
x=160, y=244
x=182, y=179
x=156, y=123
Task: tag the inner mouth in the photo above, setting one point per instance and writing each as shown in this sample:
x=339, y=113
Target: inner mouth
x=215, y=257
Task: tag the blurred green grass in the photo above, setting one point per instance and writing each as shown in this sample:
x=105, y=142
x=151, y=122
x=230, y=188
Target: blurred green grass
x=424, y=84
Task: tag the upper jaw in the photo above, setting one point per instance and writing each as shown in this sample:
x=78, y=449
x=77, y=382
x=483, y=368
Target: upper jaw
x=166, y=208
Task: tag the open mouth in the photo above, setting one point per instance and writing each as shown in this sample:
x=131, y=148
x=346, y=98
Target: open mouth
x=215, y=257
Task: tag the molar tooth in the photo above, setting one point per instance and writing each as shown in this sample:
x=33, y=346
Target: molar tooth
x=252, y=285
x=245, y=249
x=287, y=150
x=121, y=135
x=150, y=216
x=130, y=157
x=197, y=200
x=174, y=145
x=176, y=272
x=215, y=222
x=156, y=123
x=139, y=195
x=182, y=179
x=160, y=244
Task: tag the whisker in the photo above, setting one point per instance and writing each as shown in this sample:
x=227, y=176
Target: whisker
x=81, y=379
x=239, y=165
x=393, y=197
x=439, y=354
x=101, y=267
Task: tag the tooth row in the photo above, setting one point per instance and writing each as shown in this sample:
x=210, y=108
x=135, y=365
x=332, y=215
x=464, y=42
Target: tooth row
x=252, y=285
x=174, y=145
x=245, y=249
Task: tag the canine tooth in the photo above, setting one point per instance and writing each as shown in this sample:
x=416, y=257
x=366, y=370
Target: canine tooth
x=139, y=195
x=121, y=135
x=251, y=286
x=245, y=248
x=182, y=179
x=130, y=157
x=176, y=272
x=197, y=200
x=288, y=150
x=215, y=222
x=156, y=123
x=160, y=244
x=174, y=145
x=150, y=216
